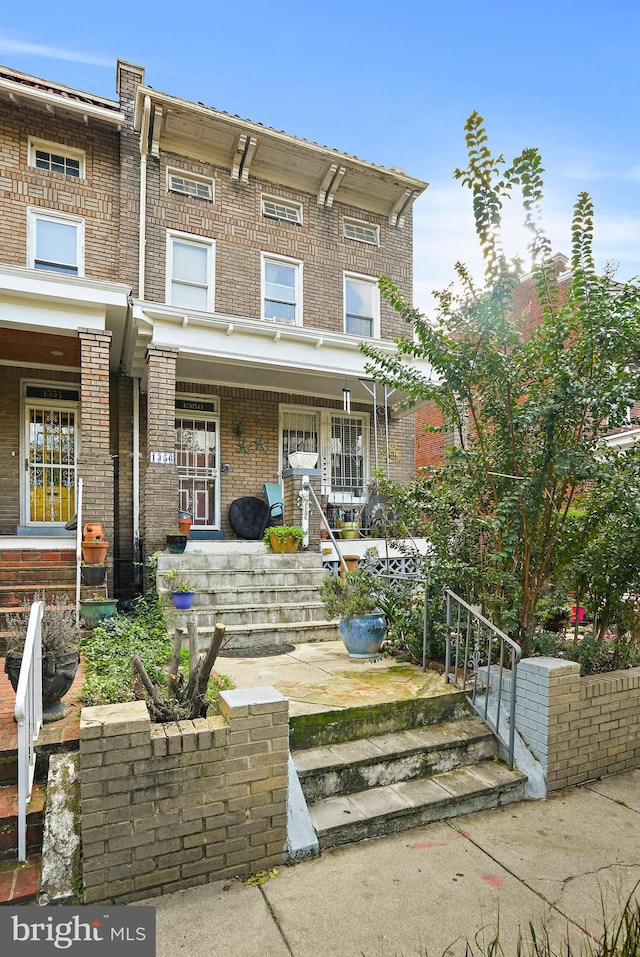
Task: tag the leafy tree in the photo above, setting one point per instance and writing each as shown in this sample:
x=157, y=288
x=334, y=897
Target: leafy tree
x=530, y=391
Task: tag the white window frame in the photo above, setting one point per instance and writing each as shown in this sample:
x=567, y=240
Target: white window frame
x=373, y=281
x=323, y=418
x=291, y=204
x=285, y=260
x=361, y=224
x=195, y=178
x=36, y=214
x=190, y=239
x=67, y=152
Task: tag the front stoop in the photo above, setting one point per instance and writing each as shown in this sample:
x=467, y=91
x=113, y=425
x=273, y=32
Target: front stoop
x=387, y=783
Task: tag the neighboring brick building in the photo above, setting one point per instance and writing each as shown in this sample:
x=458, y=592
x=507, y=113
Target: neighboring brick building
x=430, y=446
x=182, y=298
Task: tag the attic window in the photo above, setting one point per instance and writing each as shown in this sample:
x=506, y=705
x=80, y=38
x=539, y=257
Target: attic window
x=197, y=187
x=362, y=232
x=56, y=158
x=276, y=208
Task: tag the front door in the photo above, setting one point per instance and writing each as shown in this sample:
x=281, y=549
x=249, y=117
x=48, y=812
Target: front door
x=50, y=462
x=198, y=467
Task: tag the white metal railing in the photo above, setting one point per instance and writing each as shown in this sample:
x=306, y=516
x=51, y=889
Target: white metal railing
x=28, y=715
x=483, y=660
x=78, y=549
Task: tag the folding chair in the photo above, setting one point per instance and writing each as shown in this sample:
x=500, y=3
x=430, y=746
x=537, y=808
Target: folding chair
x=275, y=504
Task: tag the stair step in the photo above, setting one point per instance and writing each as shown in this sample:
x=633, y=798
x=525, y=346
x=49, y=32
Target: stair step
x=8, y=766
x=19, y=882
x=269, y=613
x=9, y=819
x=386, y=759
x=394, y=807
x=253, y=637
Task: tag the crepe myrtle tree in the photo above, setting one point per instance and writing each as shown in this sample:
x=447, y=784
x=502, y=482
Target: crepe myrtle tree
x=530, y=402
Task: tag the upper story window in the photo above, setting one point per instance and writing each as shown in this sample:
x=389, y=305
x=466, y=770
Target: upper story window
x=188, y=184
x=55, y=242
x=56, y=158
x=190, y=271
x=361, y=231
x=281, y=289
x=361, y=306
x=273, y=207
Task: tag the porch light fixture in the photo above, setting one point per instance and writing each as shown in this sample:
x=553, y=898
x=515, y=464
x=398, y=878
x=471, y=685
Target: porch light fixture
x=346, y=397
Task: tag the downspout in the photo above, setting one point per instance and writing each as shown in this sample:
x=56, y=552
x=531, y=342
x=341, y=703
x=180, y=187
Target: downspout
x=142, y=232
x=144, y=152
x=137, y=545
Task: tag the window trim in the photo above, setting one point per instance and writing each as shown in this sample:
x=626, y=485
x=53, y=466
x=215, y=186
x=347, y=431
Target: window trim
x=193, y=240
x=195, y=178
x=287, y=261
x=282, y=201
x=47, y=146
x=372, y=280
x=37, y=214
x=351, y=221
x=324, y=417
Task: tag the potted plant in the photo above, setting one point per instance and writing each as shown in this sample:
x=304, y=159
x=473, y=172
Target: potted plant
x=185, y=521
x=93, y=575
x=176, y=541
x=283, y=538
x=60, y=656
x=94, y=549
x=93, y=610
x=181, y=588
x=353, y=598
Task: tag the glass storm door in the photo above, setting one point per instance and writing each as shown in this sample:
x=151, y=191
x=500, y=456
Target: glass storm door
x=51, y=464
x=197, y=461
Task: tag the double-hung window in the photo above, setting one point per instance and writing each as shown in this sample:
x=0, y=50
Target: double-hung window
x=361, y=306
x=55, y=242
x=281, y=290
x=190, y=271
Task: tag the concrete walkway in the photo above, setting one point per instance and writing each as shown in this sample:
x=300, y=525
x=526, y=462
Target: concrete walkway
x=426, y=890
x=556, y=863
x=320, y=676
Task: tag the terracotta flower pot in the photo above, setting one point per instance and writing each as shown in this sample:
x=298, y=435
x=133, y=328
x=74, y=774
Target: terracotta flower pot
x=94, y=553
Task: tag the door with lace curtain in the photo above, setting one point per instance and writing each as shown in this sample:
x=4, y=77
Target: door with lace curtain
x=50, y=460
x=197, y=458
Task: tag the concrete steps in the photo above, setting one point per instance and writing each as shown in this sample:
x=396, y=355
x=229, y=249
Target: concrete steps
x=261, y=598
x=386, y=783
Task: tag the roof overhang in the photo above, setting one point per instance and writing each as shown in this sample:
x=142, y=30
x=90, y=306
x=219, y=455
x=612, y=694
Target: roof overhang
x=254, y=354
x=23, y=90
x=248, y=149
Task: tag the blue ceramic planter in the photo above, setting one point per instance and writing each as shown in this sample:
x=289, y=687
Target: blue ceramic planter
x=183, y=599
x=364, y=635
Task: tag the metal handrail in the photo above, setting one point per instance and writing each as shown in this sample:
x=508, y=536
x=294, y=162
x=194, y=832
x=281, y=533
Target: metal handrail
x=78, y=549
x=306, y=487
x=28, y=715
x=472, y=638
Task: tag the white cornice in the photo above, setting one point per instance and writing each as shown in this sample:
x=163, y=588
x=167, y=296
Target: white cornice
x=23, y=93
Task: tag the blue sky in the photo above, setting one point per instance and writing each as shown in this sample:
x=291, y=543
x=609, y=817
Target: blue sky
x=392, y=83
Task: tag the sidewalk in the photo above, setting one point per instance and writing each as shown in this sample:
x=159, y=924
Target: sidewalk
x=429, y=889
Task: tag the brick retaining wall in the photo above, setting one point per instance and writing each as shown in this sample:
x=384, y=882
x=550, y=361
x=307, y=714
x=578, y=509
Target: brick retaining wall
x=169, y=806
x=578, y=728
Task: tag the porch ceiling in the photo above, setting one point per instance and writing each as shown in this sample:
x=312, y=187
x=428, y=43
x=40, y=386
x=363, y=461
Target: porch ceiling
x=19, y=347
x=254, y=354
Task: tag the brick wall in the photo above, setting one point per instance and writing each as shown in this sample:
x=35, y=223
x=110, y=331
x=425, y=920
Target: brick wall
x=95, y=198
x=578, y=728
x=164, y=807
x=159, y=481
x=241, y=233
